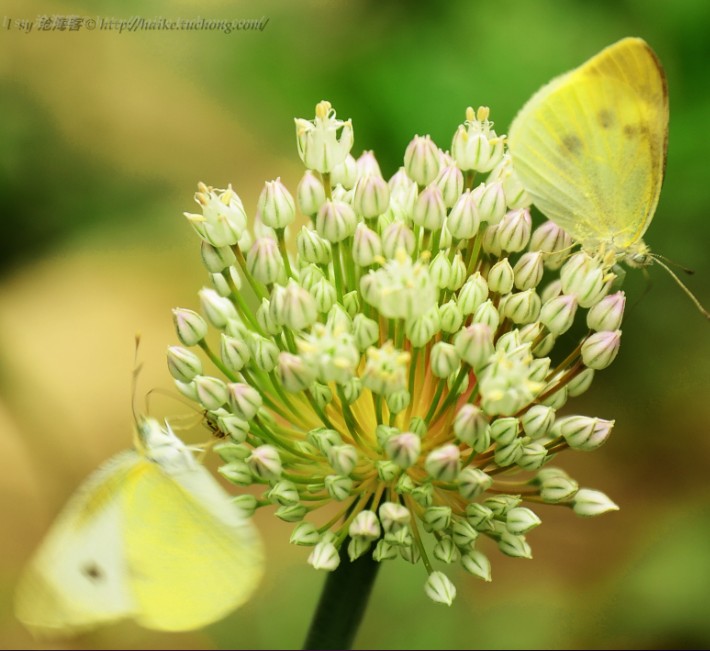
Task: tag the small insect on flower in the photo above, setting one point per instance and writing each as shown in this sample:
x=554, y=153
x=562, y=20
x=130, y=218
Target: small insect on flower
x=151, y=536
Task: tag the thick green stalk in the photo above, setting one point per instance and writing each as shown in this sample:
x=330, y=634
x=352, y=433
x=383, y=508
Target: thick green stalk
x=342, y=603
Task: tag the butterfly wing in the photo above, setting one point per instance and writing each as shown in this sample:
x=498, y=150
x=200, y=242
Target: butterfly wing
x=77, y=578
x=590, y=146
x=192, y=556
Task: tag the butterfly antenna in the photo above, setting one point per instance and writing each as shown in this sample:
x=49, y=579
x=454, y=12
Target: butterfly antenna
x=658, y=257
x=134, y=380
x=690, y=294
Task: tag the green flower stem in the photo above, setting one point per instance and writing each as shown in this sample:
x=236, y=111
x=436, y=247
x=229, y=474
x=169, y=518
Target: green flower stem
x=282, y=249
x=342, y=603
x=256, y=288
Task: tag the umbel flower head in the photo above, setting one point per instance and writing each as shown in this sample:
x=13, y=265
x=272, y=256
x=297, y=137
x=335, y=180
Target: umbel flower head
x=385, y=348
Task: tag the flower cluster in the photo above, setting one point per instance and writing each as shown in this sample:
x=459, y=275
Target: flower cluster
x=397, y=360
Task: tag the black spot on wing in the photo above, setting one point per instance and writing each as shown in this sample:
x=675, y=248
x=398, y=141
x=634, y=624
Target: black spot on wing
x=605, y=118
x=93, y=572
x=572, y=144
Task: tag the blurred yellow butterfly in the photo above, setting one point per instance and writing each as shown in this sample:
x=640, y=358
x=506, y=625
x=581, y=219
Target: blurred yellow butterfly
x=590, y=149
x=150, y=535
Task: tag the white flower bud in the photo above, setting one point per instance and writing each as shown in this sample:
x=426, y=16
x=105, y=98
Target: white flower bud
x=533, y=456
x=217, y=309
x=211, y=391
x=463, y=221
x=312, y=248
x=299, y=307
x=528, y=270
x=507, y=455
x=421, y=160
x=365, y=525
x=588, y=503
x=487, y=314
x=556, y=487
x=291, y=513
x=520, y=520
x=372, y=196
x=473, y=293
x=479, y=517
x=537, y=420
x=514, y=230
x=607, y=313
x=183, y=364
x=276, y=205
x=324, y=439
x=324, y=295
x=473, y=482
x=474, y=344
x=335, y=221
x=580, y=383
x=365, y=331
x=234, y=352
x=443, y=463
x=236, y=472
x=235, y=427
x=444, y=359
x=324, y=556
x=339, y=487
x=244, y=400
x=583, y=433
x=343, y=458
x=440, y=270
x=190, y=326
x=345, y=174
x=501, y=277
x=384, y=551
x=491, y=202
x=600, y=349
x=450, y=317
x=477, y=563
x=305, y=534
x=216, y=259
x=264, y=260
x=367, y=246
x=514, y=545
x=471, y=427
x=463, y=532
x=310, y=194
x=557, y=314
x=521, y=307
x=450, y=182
x=549, y=238
x=397, y=236
x=437, y=518
x=504, y=430
x=440, y=589
x=446, y=551
x=403, y=449
x=429, y=209
x=265, y=462
x=394, y=516
x=458, y=273
x=283, y=492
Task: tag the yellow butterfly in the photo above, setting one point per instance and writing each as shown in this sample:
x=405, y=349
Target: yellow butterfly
x=150, y=535
x=590, y=149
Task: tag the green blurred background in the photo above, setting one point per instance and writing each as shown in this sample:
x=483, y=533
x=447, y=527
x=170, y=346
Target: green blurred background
x=104, y=136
